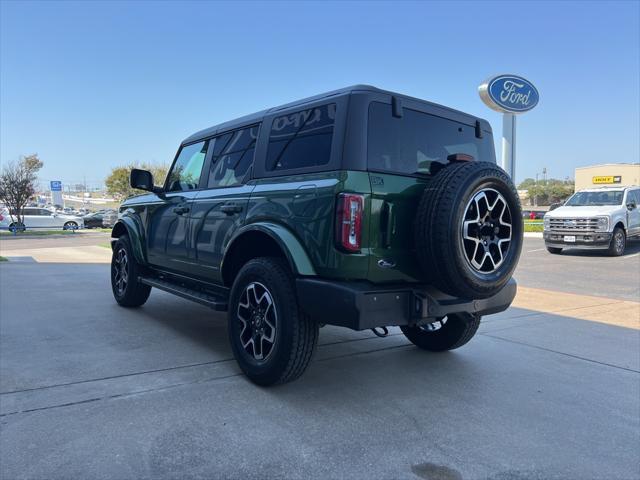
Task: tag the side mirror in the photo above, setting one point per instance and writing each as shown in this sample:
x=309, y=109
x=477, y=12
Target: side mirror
x=141, y=179
x=631, y=205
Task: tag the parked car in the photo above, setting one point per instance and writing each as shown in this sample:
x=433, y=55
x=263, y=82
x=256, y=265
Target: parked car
x=596, y=218
x=93, y=220
x=533, y=214
x=97, y=219
x=109, y=218
x=41, y=218
x=307, y=214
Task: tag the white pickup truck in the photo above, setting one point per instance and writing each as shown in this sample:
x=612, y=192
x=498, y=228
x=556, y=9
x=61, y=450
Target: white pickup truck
x=595, y=218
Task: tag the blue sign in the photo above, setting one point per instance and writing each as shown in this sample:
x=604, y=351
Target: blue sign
x=56, y=186
x=509, y=94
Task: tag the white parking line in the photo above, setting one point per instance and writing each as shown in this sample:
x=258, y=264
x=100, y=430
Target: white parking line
x=536, y=250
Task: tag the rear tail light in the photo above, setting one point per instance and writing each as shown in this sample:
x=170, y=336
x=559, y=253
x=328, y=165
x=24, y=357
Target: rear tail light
x=1, y=217
x=349, y=221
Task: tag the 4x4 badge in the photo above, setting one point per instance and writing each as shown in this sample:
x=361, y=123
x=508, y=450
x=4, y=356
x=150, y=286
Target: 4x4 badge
x=375, y=180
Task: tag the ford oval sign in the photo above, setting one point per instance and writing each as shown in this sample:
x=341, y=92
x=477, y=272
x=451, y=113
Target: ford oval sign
x=509, y=94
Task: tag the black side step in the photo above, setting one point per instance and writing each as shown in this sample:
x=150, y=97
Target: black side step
x=217, y=303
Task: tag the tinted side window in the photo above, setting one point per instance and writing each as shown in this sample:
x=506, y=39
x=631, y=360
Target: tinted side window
x=232, y=157
x=30, y=211
x=301, y=139
x=186, y=171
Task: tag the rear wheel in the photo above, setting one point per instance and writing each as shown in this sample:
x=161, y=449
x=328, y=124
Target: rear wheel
x=127, y=289
x=618, y=242
x=271, y=338
x=554, y=250
x=446, y=333
x=17, y=227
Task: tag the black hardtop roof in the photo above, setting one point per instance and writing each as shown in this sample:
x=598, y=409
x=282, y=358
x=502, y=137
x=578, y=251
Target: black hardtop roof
x=258, y=116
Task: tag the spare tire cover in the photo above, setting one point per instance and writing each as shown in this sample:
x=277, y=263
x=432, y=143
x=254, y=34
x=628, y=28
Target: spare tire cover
x=468, y=229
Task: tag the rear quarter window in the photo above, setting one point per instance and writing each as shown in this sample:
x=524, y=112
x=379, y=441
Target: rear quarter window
x=301, y=139
x=419, y=143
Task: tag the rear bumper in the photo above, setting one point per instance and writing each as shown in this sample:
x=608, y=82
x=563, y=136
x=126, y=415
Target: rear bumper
x=363, y=305
x=583, y=240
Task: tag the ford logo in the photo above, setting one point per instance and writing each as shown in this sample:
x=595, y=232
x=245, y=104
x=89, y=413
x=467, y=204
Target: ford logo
x=509, y=94
x=570, y=224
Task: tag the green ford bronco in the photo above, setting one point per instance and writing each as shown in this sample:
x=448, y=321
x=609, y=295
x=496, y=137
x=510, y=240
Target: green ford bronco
x=360, y=208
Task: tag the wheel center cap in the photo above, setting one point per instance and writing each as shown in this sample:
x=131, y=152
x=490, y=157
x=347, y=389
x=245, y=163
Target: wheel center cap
x=487, y=230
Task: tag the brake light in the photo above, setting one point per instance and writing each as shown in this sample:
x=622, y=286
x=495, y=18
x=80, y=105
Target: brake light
x=1, y=217
x=349, y=221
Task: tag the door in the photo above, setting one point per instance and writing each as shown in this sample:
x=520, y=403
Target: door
x=50, y=219
x=220, y=209
x=168, y=226
x=33, y=219
x=633, y=215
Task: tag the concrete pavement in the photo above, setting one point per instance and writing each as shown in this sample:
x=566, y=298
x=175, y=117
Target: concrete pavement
x=549, y=389
x=79, y=248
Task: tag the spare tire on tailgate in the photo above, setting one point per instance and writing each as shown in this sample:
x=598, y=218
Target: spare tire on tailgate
x=468, y=229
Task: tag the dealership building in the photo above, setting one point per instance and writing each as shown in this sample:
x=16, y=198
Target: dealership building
x=607, y=174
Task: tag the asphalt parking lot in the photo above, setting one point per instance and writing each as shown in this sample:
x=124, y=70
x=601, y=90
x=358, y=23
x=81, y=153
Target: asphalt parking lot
x=549, y=389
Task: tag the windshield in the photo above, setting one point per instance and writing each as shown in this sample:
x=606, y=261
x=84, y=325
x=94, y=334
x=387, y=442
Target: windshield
x=584, y=199
x=420, y=143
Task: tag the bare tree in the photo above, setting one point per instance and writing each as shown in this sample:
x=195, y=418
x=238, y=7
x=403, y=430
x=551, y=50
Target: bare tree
x=18, y=184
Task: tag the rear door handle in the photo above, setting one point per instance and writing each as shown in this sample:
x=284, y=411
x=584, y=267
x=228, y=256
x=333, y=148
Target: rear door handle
x=180, y=210
x=231, y=208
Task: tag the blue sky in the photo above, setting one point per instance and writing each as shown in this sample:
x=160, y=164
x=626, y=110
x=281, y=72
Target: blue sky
x=91, y=85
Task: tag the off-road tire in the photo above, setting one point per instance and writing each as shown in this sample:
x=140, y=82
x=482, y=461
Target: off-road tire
x=554, y=250
x=438, y=229
x=134, y=294
x=458, y=330
x=615, y=249
x=296, y=333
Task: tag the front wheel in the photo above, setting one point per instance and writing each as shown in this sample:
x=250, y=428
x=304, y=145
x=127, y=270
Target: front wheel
x=618, y=242
x=127, y=289
x=271, y=338
x=70, y=226
x=446, y=333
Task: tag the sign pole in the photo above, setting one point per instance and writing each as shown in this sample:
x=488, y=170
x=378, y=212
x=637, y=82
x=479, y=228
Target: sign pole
x=509, y=144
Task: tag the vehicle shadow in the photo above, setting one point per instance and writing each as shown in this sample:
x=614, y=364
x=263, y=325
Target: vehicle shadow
x=187, y=319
